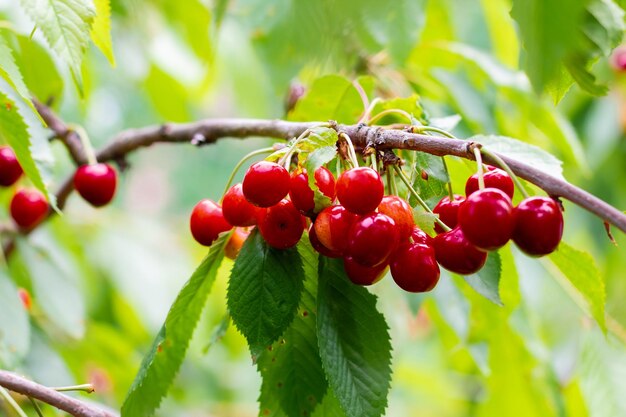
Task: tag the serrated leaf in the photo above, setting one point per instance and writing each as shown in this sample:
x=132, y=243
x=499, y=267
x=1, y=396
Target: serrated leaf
x=264, y=291
x=14, y=326
x=101, y=29
x=354, y=342
x=319, y=137
x=523, y=152
x=434, y=187
x=329, y=407
x=293, y=378
x=66, y=25
x=576, y=65
x=315, y=160
x=161, y=364
x=581, y=271
x=486, y=282
x=14, y=131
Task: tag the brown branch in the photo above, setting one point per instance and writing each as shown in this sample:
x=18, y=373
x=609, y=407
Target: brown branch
x=77, y=408
x=61, y=131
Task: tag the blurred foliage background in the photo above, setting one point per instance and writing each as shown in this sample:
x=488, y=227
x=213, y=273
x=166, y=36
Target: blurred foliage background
x=102, y=281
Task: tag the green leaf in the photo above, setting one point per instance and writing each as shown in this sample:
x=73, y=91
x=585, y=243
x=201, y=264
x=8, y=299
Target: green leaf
x=264, y=291
x=14, y=131
x=331, y=97
x=293, y=378
x=39, y=70
x=577, y=68
x=523, y=152
x=101, y=29
x=434, y=187
x=354, y=342
x=66, y=25
x=486, y=282
x=161, y=364
x=167, y=95
x=192, y=19
x=329, y=407
x=14, y=326
x=218, y=332
x=581, y=271
x=424, y=220
x=410, y=105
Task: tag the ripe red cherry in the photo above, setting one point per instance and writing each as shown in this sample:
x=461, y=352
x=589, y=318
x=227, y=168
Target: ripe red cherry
x=448, y=211
x=414, y=267
x=494, y=178
x=401, y=213
x=281, y=225
x=420, y=236
x=237, y=210
x=317, y=245
x=207, y=222
x=301, y=194
x=265, y=183
x=10, y=168
x=538, y=226
x=363, y=275
x=96, y=183
x=360, y=190
x=28, y=207
x=332, y=226
x=372, y=239
x=486, y=218
x=455, y=253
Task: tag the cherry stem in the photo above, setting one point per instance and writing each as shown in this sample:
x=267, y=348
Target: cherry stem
x=449, y=183
x=366, y=101
x=374, y=162
x=36, y=406
x=241, y=162
x=388, y=112
x=419, y=199
x=394, y=187
x=9, y=400
x=508, y=170
x=351, y=151
x=88, y=388
x=479, y=163
x=90, y=153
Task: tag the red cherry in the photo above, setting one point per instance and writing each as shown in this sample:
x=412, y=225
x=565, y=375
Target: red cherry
x=96, y=183
x=401, y=213
x=455, y=253
x=363, y=275
x=360, y=190
x=414, y=267
x=317, y=245
x=538, y=226
x=332, y=226
x=10, y=168
x=420, y=236
x=448, y=211
x=494, y=178
x=265, y=183
x=28, y=208
x=302, y=195
x=237, y=210
x=281, y=225
x=372, y=239
x=486, y=218
x=207, y=222
x=236, y=241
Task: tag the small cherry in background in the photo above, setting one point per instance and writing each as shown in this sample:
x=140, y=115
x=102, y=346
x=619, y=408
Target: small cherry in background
x=456, y=254
x=236, y=241
x=360, y=190
x=448, y=211
x=207, y=222
x=236, y=209
x=538, y=226
x=10, y=168
x=265, y=183
x=28, y=208
x=281, y=225
x=96, y=183
x=486, y=218
x=363, y=275
x=302, y=196
x=494, y=178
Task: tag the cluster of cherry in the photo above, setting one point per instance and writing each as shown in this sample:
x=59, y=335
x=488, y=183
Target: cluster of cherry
x=95, y=183
x=374, y=232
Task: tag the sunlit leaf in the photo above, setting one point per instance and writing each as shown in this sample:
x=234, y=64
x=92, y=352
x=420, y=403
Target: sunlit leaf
x=101, y=29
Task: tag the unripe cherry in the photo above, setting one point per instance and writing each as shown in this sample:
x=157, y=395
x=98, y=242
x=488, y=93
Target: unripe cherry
x=235, y=243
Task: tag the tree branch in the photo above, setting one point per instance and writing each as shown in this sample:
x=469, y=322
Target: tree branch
x=77, y=408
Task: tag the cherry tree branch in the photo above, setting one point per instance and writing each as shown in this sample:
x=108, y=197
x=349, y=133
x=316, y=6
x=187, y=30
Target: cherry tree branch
x=77, y=408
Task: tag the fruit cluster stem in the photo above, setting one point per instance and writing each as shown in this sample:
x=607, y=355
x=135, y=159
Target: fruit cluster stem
x=241, y=162
x=508, y=170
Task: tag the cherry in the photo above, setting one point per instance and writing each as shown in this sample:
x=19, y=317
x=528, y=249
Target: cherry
x=10, y=168
x=618, y=59
x=372, y=239
x=207, y=222
x=363, y=275
x=401, y=213
x=265, y=183
x=455, y=253
x=317, y=245
x=281, y=225
x=448, y=211
x=360, y=190
x=236, y=241
x=494, y=178
x=486, y=218
x=96, y=183
x=28, y=207
x=420, y=236
x=302, y=195
x=538, y=225
x=332, y=226
x=237, y=210
x=414, y=267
